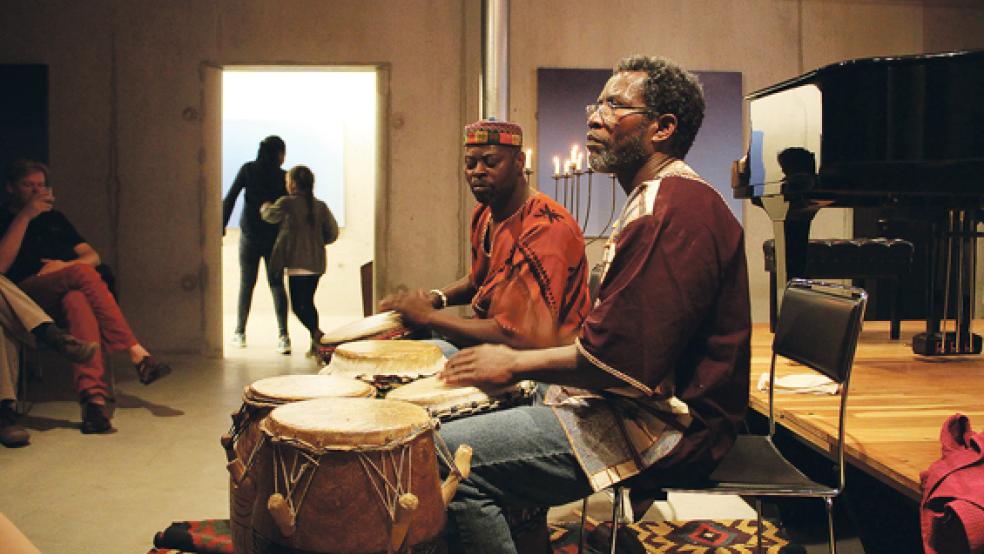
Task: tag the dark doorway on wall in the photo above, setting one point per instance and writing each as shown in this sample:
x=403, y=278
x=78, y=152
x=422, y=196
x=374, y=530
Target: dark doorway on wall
x=23, y=112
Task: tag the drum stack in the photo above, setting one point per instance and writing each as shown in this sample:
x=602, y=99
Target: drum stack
x=324, y=463
x=316, y=465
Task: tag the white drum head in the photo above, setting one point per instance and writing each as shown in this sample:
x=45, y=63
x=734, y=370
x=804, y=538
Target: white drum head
x=292, y=388
x=347, y=423
x=383, y=358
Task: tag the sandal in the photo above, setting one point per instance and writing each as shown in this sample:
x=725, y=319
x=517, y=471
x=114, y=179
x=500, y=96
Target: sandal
x=150, y=370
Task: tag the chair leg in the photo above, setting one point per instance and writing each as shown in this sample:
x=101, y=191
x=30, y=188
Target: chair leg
x=829, y=502
x=758, y=525
x=616, y=516
x=584, y=517
x=772, y=302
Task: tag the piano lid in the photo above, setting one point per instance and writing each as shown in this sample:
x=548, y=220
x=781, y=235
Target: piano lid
x=892, y=126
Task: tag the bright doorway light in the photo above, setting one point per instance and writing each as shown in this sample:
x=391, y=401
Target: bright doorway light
x=327, y=118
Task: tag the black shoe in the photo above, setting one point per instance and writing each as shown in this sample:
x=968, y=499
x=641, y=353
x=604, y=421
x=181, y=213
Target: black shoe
x=150, y=370
x=11, y=434
x=94, y=418
x=73, y=349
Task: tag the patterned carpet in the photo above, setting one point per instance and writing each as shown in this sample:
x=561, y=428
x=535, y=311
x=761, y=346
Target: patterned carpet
x=648, y=537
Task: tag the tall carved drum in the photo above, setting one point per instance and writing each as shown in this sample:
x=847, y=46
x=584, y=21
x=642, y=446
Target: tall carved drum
x=259, y=399
x=347, y=475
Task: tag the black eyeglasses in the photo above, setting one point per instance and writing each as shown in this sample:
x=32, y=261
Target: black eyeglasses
x=606, y=108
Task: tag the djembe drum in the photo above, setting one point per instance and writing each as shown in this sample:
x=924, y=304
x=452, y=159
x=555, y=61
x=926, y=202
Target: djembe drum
x=350, y=475
x=386, y=364
x=381, y=326
x=259, y=399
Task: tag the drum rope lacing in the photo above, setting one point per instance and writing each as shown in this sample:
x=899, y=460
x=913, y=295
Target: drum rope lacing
x=294, y=476
x=391, y=492
x=313, y=454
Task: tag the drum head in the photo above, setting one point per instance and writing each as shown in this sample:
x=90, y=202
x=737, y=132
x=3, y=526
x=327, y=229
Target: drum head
x=447, y=403
x=406, y=358
x=347, y=423
x=433, y=393
x=377, y=324
x=292, y=388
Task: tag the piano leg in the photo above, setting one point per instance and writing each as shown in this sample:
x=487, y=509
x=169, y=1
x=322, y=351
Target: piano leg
x=950, y=294
x=791, y=229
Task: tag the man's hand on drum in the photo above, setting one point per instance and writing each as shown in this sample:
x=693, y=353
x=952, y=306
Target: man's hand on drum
x=415, y=307
x=485, y=366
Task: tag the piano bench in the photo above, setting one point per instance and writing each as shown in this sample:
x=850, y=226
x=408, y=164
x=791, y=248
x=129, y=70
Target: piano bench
x=882, y=259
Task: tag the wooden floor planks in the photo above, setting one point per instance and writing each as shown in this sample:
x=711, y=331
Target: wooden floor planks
x=898, y=402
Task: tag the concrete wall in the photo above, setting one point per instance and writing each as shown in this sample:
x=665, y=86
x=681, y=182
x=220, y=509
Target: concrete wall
x=130, y=117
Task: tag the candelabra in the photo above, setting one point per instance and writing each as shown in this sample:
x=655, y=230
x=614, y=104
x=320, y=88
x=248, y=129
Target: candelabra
x=567, y=191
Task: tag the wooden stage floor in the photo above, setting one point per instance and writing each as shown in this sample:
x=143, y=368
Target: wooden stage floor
x=897, y=403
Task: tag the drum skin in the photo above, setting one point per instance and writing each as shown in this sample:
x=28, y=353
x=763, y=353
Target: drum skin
x=258, y=400
x=448, y=403
x=342, y=510
x=381, y=326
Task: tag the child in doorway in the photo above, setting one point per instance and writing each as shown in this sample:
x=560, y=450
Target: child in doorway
x=306, y=226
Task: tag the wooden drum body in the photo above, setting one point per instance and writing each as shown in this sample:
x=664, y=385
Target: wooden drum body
x=259, y=399
x=333, y=476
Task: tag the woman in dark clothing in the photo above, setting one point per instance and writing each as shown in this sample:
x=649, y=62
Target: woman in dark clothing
x=263, y=181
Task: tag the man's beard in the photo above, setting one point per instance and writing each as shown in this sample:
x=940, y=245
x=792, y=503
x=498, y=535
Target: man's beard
x=614, y=159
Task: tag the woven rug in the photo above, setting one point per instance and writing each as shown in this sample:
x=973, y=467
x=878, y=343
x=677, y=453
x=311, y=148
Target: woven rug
x=211, y=536
x=671, y=537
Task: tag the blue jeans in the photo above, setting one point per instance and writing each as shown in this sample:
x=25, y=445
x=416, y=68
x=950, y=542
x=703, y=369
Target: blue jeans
x=521, y=458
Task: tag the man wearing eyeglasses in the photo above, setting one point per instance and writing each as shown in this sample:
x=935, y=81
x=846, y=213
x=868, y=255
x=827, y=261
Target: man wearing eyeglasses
x=656, y=384
x=528, y=278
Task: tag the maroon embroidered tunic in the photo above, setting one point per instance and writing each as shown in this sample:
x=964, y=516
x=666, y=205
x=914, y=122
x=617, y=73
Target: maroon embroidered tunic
x=672, y=321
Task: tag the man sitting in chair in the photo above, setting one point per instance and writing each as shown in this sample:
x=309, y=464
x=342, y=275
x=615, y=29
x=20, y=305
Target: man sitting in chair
x=41, y=251
x=656, y=384
x=528, y=279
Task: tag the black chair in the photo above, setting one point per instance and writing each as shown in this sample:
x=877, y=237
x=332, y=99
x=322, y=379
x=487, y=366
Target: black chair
x=818, y=326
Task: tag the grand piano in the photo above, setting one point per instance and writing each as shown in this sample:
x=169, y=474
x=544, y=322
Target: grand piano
x=896, y=133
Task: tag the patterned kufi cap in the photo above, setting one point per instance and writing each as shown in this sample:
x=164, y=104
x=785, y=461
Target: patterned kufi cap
x=492, y=131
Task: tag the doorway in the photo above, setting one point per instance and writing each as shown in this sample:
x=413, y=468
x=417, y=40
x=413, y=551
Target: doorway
x=328, y=119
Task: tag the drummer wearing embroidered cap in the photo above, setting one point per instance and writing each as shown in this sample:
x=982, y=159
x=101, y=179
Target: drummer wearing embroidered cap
x=528, y=278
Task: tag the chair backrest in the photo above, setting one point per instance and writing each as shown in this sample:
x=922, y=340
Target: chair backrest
x=819, y=326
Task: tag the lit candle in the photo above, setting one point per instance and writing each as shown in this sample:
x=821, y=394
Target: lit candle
x=573, y=152
x=529, y=159
x=580, y=157
x=556, y=165
x=567, y=167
